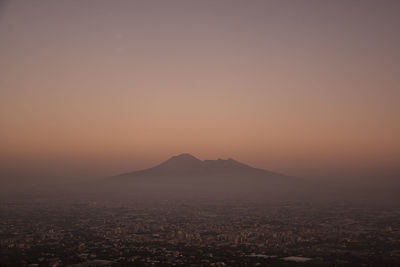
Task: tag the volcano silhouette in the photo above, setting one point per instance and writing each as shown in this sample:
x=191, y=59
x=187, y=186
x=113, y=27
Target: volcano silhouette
x=188, y=165
x=185, y=175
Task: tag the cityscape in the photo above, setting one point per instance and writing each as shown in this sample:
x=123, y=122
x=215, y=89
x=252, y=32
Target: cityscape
x=180, y=234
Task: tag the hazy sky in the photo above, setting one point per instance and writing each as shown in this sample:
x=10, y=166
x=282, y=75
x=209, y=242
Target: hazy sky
x=94, y=88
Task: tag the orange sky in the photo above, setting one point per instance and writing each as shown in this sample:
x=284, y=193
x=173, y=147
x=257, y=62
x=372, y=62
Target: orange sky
x=98, y=88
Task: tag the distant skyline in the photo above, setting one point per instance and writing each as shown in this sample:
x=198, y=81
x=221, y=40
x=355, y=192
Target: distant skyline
x=97, y=88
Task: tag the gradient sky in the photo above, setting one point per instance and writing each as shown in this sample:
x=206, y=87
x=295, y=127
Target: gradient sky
x=95, y=88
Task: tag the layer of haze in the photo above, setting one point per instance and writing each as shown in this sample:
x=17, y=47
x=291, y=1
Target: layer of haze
x=96, y=88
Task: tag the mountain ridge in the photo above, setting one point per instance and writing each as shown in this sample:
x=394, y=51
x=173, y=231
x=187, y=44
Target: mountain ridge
x=187, y=177
x=186, y=164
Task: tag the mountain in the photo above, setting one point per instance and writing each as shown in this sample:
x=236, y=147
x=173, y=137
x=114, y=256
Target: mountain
x=188, y=165
x=189, y=177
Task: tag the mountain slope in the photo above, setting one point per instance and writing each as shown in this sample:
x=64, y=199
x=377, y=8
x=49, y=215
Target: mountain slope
x=189, y=166
x=185, y=176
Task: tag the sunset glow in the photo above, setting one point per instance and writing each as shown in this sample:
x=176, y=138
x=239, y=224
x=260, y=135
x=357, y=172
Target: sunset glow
x=298, y=87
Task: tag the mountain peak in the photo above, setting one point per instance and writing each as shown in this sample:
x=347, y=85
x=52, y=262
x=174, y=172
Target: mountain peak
x=184, y=156
x=183, y=163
